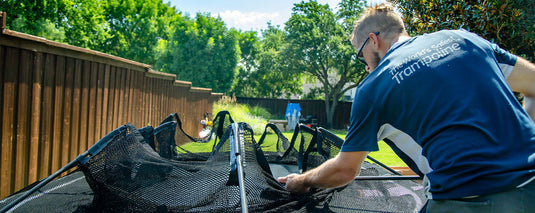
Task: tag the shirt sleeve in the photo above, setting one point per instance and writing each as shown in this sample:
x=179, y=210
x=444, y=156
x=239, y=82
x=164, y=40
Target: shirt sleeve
x=362, y=133
x=506, y=60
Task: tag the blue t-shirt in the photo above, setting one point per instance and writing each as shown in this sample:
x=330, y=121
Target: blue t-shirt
x=442, y=102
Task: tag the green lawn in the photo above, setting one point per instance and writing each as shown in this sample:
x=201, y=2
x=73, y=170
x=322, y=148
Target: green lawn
x=385, y=154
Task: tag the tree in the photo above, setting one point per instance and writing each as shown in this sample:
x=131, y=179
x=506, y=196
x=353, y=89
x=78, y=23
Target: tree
x=262, y=70
x=244, y=85
x=320, y=48
x=202, y=51
x=137, y=27
x=507, y=23
x=85, y=24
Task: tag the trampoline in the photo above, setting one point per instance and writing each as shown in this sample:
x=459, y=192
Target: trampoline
x=146, y=170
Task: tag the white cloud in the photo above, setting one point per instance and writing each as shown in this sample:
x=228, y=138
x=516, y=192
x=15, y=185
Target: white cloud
x=250, y=20
x=333, y=4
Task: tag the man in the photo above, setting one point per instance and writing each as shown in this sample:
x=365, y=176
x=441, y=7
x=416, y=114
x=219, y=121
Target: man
x=443, y=101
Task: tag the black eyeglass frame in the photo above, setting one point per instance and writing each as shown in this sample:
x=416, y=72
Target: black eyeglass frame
x=361, y=59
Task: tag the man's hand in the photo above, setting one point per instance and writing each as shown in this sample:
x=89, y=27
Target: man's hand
x=335, y=172
x=295, y=183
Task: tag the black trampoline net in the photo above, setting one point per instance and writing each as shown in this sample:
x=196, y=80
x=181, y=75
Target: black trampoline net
x=145, y=170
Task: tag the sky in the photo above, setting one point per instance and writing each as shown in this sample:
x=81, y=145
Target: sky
x=247, y=15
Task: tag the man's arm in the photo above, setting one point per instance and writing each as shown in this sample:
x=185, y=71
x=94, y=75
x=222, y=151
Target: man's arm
x=335, y=172
x=522, y=79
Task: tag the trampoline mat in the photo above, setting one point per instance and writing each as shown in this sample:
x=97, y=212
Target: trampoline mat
x=71, y=193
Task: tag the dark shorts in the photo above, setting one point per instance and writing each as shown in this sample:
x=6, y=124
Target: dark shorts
x=514, y=200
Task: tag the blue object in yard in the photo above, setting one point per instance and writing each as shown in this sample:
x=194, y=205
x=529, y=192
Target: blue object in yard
x=293, y=113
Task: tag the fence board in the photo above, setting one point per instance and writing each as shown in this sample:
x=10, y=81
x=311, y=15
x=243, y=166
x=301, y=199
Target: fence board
x=99, y=100
x=2, y=72
x=76, y=106
x=129, y=94
x=120, y=97
x=148, y=100
x=67, y=111
x=144, y=98
x=22, y=109
x=154, y=100
x=35, y=117
x=166, y=102
x=138, y=101
x=160, y=102
x=105, y=95
x=111, y=90
x=116, y=93
x=84, y=107
x=58, y=113
x=124, y=97
x=92, y=107
x=8, y=119
x=47, y=106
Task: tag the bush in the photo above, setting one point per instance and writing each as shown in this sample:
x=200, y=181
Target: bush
x=254, y=116
x=261, y=112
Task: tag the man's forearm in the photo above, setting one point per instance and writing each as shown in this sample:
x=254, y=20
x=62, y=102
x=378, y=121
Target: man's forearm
x=328, y=175
x=522, y=78
x=335, y=172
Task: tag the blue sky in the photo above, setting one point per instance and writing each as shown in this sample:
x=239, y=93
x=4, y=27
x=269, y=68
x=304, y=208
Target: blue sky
x=246, y=14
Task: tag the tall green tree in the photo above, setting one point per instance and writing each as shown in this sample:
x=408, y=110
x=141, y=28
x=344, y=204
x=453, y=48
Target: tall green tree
x=137, y=26
x=203, y=51
x=263, y=70
x=243, y=85
x=507, y=23
x=320, y=48
x=85, y=24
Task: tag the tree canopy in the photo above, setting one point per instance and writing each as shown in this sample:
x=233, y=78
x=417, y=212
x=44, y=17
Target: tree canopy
x=263, y=71
x=204, y=52
x=509, y=24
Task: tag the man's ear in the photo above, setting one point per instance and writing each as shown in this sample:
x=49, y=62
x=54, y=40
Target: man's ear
x=374, y=39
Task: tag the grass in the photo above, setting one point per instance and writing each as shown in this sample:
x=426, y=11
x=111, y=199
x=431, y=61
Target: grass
x=254, y=116
x=385, y=154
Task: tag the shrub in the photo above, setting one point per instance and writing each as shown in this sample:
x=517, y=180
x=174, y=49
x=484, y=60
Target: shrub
x=243, y=113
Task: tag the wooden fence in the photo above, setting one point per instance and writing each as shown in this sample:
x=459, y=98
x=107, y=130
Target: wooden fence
x=57, y=100
x=277, y=107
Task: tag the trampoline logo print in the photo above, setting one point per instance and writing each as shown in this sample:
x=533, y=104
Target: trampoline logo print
x=423, y=58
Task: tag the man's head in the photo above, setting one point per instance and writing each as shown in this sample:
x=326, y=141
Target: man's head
x=379, y=25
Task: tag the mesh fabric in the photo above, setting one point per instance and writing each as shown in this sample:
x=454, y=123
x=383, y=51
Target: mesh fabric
x=146, y=170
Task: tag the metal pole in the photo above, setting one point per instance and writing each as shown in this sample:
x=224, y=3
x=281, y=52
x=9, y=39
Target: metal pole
x=237, y=145
x=382, y=165
x=388, y=178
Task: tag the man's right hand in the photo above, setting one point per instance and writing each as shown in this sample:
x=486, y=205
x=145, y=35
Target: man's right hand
x=295, y=183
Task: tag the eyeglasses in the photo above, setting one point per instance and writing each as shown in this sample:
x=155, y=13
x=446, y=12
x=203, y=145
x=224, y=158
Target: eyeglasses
x=361, y=58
